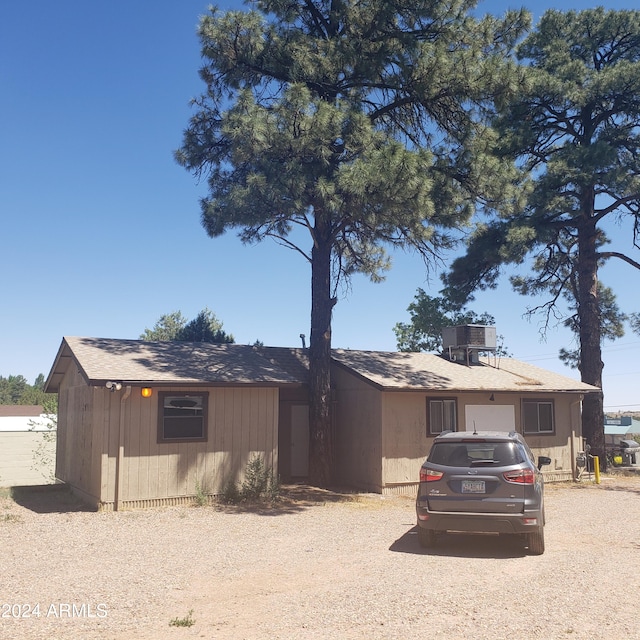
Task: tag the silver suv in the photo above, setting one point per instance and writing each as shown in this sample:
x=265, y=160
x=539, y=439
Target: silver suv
x=481, y=482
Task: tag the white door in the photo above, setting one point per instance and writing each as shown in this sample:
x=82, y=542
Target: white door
x=486, y=417
x=299, y=440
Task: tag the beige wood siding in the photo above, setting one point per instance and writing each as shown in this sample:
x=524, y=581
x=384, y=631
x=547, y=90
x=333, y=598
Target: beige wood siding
x=242, y=423
x=406, y=444
x=357, y=427
x=562, y=446
x=75, y=438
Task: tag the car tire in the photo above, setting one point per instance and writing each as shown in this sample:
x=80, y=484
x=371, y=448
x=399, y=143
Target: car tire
x=535, y=542
x=426, y=537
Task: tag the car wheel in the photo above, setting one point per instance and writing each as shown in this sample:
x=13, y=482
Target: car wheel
x=426, y=537
x=535, y=542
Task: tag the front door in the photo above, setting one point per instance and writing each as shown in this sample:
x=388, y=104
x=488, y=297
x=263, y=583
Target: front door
x=300, y=440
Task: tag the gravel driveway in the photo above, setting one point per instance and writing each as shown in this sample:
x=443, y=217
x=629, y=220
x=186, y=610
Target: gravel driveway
x=322, y=565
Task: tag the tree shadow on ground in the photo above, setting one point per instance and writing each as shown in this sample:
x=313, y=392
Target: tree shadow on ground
x=622, y=480
x=629, y=488
x=48, y=498
x=292, y=498
x=461, y=545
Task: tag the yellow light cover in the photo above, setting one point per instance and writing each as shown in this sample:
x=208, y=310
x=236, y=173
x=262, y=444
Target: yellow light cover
x=146, y=392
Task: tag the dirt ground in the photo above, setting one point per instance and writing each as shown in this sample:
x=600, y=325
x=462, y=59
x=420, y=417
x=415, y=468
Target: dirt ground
x=318, y=565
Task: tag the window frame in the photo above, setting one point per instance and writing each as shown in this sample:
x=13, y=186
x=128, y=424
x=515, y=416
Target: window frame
x=442, y=400
x=162, y=439
x=538, y=402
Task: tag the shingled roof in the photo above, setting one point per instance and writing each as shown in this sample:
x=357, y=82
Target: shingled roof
x=138, y=362
x=427, y=371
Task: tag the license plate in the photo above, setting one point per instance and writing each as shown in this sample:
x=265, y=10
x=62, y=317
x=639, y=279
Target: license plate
x=473, y=486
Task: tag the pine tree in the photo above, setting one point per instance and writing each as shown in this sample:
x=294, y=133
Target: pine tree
x=357, y=123
x=575, y=129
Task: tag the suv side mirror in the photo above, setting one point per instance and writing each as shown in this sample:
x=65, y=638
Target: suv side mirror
x=542, y=460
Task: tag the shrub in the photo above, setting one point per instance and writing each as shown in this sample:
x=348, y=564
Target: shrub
x=44, y=456
x=260, y=483
x=202, y=496
x=230, y=492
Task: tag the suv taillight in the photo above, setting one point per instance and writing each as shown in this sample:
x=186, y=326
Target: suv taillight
x=520, y=476
x=429, y=475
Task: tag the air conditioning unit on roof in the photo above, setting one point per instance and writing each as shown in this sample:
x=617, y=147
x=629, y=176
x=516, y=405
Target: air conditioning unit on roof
x=476, y=337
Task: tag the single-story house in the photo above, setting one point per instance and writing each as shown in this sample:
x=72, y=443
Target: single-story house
x=27, y=446
x=146, y=423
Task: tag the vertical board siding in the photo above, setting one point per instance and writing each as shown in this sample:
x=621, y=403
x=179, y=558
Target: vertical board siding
x=237, y=429
x=147, y=437
x=111, y=426
x=97, y=440
x=218, y=458
x=101, y=429
x=358, y=432
x=242, y=422
x=172, y=454
x=270, y=407
x=406, y=442
x=149, y=414
x=77, y=440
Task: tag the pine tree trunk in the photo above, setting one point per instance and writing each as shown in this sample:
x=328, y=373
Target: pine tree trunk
x=321, y=441
x=591, y=364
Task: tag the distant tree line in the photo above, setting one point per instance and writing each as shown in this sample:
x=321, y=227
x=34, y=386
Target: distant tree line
x=16, y=390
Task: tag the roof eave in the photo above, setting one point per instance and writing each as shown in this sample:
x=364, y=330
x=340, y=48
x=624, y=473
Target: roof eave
x=442, y=390
x=61, y=364
x=95, y=382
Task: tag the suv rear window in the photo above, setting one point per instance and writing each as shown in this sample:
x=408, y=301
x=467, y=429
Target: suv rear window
x=468, y=454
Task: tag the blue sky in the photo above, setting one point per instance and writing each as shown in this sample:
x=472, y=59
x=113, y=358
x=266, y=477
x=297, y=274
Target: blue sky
x=101, y=229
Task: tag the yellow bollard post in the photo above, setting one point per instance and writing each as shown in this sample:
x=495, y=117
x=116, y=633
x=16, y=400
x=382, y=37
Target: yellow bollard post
x=596, y=468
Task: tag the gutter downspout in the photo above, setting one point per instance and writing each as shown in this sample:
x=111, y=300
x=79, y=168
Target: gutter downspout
x=120, y=456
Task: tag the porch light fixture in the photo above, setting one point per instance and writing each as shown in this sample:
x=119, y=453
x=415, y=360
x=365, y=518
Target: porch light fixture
x=146, y=392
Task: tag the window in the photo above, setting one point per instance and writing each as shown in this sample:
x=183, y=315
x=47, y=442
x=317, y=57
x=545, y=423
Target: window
x=182, y=417
x=472, y=454
x=537, y=416
x=441, y=415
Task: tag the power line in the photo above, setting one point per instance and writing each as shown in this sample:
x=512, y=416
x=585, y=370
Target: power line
x=625, y=346
x=620, y=406
x=624, y=373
